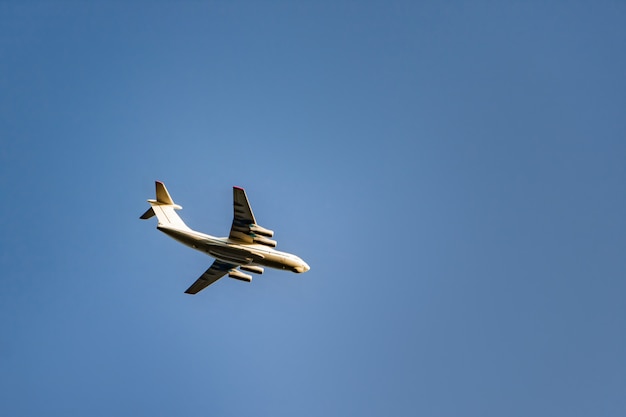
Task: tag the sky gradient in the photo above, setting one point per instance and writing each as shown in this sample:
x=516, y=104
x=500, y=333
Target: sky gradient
x=453, y=174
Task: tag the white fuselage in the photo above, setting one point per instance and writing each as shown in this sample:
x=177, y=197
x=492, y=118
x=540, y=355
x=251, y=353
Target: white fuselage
x=235, y=252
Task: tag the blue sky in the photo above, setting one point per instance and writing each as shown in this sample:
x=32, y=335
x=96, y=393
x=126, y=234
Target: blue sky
x=453, y=173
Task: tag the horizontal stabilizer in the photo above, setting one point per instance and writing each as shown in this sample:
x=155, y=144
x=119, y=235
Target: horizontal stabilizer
x=164, y=209
x=162, y=195
x=149, y=213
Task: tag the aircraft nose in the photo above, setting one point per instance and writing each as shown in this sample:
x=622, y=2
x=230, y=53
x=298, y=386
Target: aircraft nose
x=303, y=267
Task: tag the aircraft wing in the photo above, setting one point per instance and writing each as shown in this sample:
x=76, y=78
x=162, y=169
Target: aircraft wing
x=244, y=228
x=243, y=216
x=217, y=270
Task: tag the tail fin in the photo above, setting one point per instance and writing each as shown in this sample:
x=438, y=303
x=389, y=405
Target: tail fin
x=163, y=207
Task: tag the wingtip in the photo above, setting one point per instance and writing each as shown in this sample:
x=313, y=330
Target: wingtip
x=237, y=188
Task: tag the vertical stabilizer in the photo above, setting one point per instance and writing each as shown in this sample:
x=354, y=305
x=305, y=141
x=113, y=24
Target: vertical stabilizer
x=164, y=208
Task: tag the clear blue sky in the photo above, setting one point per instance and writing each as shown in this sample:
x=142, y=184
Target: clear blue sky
x=453, y=173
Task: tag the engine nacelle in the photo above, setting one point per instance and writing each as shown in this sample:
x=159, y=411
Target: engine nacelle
x=264, y=241
x=255, y=228
x=233, y=273
x=252, y=268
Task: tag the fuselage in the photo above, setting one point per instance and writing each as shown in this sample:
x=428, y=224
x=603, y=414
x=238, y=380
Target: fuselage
x=226, y=250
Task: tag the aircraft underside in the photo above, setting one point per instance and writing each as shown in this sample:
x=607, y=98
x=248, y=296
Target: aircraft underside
x=247, y=248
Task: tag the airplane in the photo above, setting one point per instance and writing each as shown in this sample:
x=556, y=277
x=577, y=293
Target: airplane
x=247, y=248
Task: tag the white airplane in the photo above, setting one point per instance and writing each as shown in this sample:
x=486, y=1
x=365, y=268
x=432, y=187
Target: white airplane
x=247, y=247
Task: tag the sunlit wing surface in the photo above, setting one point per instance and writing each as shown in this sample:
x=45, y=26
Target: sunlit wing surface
x=244, y=228
x=215, y=272
x=242, y=218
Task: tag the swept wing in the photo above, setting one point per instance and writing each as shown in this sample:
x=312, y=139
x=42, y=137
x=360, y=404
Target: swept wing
x=244, y=228
x=217, y=270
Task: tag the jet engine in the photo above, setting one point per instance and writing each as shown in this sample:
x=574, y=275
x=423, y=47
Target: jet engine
x=264, y=241
x=252, y=268
x=255, y=228
x=233, y=273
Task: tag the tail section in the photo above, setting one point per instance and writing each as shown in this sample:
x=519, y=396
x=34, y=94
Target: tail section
x=163, y=207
